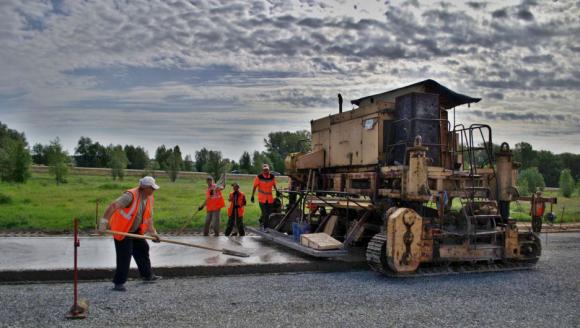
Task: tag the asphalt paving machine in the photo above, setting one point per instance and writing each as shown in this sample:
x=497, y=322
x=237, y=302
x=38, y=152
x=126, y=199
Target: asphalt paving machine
x=397, y=177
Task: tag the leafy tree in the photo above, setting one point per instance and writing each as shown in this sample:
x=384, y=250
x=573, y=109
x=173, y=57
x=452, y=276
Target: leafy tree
x=280, y=144
x=550, y=166
x=118, y=161
x=58, y=161
x=85, y=153
x=15, y=161
x=523, y=187
x=215, y=165
x=572, y=162
x=173, y=163
x=566, y=183
x=137, y=157
x=533, y=180
x=201, y=159
x=14, y=155
x=246, y=163
x=258, y=159
x=525, y=154
x=188, y=164
x=102, y=155
x=161, y=156
x=39, y=154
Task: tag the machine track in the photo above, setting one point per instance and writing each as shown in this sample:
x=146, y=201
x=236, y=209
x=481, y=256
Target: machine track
x=376, y=259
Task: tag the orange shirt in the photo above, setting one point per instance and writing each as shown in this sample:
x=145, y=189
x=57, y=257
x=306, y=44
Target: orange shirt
x=264, y=184
x=214, y=199
x=240, y=201
x=122, y=219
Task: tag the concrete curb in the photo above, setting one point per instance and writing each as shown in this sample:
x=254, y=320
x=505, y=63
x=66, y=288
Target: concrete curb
x=184, y=271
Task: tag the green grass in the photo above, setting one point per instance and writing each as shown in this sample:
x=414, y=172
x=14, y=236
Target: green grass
x=521, y=210
x=41, y=205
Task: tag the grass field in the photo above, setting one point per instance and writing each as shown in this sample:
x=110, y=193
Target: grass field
x=41, y=205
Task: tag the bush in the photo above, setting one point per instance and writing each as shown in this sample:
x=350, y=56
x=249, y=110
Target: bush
x=533, y=179
x=118, y=162
x=566, y=183
x=14, y=161
x=57, y=161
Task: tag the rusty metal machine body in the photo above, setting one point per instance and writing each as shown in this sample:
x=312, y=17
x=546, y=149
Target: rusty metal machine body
x=422, y=195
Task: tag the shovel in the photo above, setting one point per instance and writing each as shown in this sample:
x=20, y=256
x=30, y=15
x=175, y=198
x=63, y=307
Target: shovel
x=225, y=251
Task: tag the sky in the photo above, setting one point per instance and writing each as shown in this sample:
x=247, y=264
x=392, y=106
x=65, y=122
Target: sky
x=223, y=74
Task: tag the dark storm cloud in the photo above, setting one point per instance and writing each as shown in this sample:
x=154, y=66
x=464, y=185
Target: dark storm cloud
x=236, y=54
x=500, y=13
x=525, y=14
x=527, y=116
x=495, y=95
x=536, y=59
x=477, y=5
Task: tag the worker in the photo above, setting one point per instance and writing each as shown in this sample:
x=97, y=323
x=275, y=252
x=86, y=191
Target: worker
x=264, y=182
x=214, y=202
x=132, y=212
x=236, y=210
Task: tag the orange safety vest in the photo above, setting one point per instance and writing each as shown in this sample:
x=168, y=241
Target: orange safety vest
x=241, y=202
x=122, y=220
x=538, y=209
x=265, y=185
x=214, y=199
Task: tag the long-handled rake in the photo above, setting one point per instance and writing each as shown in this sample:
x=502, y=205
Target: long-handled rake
x=189, y=221
x=225, y=251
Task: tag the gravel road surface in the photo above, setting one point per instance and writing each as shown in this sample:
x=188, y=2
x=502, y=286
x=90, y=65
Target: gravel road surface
x=548, y=296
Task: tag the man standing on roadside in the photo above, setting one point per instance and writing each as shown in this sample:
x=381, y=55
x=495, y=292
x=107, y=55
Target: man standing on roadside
x=132, y=212
x=236, y=211
x=264, y=182
x=214, y=201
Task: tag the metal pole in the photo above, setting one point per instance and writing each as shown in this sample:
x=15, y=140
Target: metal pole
x=75, y=272
x=97, y=215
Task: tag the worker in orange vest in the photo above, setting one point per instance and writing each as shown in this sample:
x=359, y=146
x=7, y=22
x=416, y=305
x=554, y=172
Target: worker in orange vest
x=214, y=202
x=132, y=212
x=264, y=182
x=236, y=211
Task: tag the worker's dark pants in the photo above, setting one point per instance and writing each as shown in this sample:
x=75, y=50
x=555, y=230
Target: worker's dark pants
x=239, y=222
x=126, y=248
x=266, y=210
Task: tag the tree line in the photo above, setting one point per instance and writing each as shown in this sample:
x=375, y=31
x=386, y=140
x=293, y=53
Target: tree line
x=16, y=157
x=542, y=168
x=538, y=168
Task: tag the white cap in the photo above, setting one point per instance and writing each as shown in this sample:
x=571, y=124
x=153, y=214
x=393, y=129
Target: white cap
x=148, y=182
x=265, y=167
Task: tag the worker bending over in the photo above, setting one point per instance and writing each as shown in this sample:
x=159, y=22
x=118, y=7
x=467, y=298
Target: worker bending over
x=214, y=201
x=132, y=212
x=264, y=182
x=237, y=201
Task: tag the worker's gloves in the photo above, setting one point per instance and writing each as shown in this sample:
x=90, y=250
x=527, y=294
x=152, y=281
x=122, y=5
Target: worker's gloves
x=103, y=223
x=252, y=199
x=278, y=194
x=200, y=208
x=156, y=236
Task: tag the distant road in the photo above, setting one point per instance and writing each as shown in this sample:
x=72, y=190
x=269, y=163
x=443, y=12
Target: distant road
x=134, y=173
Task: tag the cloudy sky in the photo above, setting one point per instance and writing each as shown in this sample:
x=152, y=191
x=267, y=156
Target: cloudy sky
x=222, y=74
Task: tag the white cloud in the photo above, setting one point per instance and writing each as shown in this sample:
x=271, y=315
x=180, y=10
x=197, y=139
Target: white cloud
x=248, y=68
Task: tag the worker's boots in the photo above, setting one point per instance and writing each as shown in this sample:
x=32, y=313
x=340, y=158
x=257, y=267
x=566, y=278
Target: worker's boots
x=152, y=279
